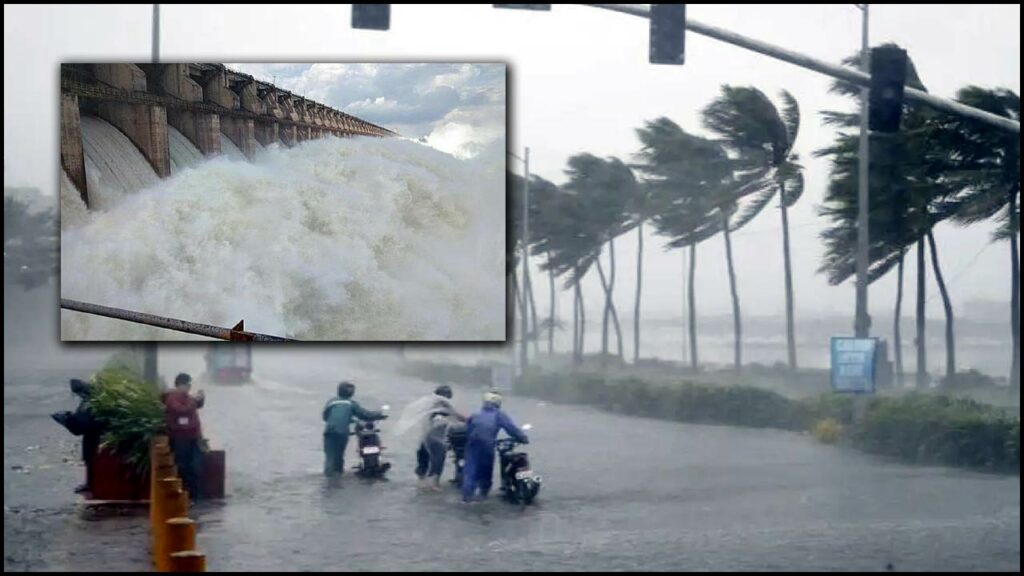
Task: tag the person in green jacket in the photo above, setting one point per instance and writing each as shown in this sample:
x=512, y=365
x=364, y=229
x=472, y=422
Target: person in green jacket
x=338, y=415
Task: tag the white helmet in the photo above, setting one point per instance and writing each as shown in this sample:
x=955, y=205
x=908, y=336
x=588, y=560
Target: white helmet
x=492, y=397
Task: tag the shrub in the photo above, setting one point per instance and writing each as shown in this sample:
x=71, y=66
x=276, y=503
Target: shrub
x=828, y=430
x=130, y=411
x=931, y=429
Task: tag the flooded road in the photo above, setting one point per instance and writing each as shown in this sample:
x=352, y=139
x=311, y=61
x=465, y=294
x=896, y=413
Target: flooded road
x=619, y=493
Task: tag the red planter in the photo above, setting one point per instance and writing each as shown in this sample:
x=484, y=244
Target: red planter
x=213, y=475
x=111, y=478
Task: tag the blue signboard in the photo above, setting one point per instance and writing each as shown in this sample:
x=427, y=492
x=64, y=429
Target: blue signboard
x=853, y=364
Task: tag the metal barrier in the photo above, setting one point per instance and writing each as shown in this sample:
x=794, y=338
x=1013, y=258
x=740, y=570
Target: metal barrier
x=237, y=333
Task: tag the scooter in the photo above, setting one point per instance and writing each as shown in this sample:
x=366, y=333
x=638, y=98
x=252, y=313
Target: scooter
x=370, y=450
x=519, y=483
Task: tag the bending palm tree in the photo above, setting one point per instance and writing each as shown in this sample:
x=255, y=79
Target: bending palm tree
x=695, y=189
x=908, y=191
x=986, y=166
x=751, y=124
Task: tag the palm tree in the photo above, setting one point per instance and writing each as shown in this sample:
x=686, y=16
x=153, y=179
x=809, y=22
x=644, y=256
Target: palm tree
x=572, y=245
x=908, y=194
x=986, y=167
x=695, y=190
x=542, y=221
x=750, y=123
x=609, y=187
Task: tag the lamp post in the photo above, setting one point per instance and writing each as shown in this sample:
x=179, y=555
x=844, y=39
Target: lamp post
x=523, y=351
x=862, y=321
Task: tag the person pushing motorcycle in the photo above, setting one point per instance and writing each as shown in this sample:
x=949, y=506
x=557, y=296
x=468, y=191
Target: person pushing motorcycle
x=482, y=433
x=338, y=414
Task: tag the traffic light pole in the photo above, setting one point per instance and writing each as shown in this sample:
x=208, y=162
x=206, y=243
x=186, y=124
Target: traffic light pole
x=862, y=322
x=838, y=72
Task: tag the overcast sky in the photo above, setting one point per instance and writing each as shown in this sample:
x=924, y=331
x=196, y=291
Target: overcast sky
x=578, y=81
x=457, y=107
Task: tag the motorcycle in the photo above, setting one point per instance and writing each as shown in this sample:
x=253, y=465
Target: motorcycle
x=519, y=483
x=370, y=451
x=457, y=445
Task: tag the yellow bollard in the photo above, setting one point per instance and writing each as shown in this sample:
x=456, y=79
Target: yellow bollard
x=157, y=504
x=158, y=452
x=173, y=503
x=181, y=535
x=190, y=561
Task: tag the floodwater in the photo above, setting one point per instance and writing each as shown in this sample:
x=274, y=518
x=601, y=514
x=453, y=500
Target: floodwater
x=619, y=493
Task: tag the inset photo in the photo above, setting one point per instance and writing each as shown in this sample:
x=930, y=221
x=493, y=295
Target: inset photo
x=325, y=202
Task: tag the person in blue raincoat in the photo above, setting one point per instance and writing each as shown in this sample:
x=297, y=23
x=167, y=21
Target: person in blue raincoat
x=338, y=415
x=481, y=435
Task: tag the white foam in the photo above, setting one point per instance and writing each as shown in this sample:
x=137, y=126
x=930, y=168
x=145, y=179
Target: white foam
x=335, y=239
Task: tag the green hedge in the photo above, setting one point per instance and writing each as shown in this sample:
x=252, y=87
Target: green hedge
x=917, y=428
x=931, y=429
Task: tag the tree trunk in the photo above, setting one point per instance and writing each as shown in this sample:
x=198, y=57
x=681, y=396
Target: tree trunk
x=790, y=321
x=897, y=339
x=607, y=311
x=692, y=294
x=737, y=326
x=583, y=321
x=611, y=299
x=576, y=324
x=1015, y=287
x=685, y=331
x=534, y=332
x=947, y=306
x=639, y=280
x=921, y=377
x=551, y=310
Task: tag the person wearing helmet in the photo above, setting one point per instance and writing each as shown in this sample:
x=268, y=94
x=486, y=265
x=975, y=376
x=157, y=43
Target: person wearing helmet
x=338, y=414
x=432, y=447
x=482, y=433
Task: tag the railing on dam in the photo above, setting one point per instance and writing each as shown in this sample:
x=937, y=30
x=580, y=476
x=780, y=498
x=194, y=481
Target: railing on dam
x=236, y=334
x=96, y=91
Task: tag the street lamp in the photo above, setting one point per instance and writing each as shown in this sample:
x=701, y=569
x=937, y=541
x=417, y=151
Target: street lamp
x=156, y=33
x=862, y=322
x=523, y=352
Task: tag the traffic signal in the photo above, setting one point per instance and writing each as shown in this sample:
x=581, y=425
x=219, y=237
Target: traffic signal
x=668, y=27
x=525, y=6
x=885, y=95
x=371, y=16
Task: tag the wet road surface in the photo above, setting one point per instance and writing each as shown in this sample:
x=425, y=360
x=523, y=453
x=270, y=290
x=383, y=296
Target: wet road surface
x=619, y=493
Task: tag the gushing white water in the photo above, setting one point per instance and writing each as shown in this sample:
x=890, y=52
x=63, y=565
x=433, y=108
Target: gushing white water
x=335, y=239
x=72, y=209
x=184, y=153
x=228, y=148
x=113, y=165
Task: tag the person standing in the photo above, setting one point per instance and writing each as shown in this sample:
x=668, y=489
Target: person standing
x=185, y=431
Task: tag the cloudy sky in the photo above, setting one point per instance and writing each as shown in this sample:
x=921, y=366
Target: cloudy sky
x=457, y=107
x=578, y=81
